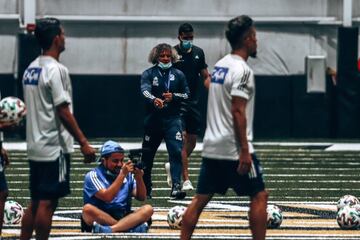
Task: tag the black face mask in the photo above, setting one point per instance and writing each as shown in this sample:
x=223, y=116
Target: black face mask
x=110, y=174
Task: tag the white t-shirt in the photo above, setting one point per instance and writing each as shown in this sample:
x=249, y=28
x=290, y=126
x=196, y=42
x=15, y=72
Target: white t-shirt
x=46, y=85
x=231, y=77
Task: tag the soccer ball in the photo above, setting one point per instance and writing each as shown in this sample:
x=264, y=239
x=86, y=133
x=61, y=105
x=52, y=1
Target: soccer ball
x=348, y=217
x=12, y=109
x=347, y=200
x=13, y=212
x=174, y=216
x=274, y=216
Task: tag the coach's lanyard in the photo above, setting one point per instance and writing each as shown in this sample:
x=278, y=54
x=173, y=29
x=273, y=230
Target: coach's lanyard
x=167, y=84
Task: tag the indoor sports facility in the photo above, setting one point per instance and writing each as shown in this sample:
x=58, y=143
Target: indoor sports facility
x=307, y=105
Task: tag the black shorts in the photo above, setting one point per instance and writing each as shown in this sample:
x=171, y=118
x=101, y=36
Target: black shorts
x=191, y=118
x=50, y=180
x=216, y=176
x=3, y=183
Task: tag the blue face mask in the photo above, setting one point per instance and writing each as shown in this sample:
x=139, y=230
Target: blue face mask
x=186, y=44
x=165, y=65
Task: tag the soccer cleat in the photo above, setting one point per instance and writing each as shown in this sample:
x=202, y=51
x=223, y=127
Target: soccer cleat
x=168, y=178
x=98, y=228
x=142, y=228
x=187, y=186
x=177, y=193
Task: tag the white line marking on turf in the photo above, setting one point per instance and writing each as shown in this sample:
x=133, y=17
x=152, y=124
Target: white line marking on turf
x=199, y=146
x=344, y=147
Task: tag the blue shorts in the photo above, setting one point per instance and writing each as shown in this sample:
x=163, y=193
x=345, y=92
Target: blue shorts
x=50, y=180
x=217, y=176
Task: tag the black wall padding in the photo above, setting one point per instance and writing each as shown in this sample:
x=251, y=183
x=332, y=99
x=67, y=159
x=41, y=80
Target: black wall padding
x=28, y=50
x=108, y=106
x=112, y=106
x=312, y=112
x=273, y=107
x=348, y=84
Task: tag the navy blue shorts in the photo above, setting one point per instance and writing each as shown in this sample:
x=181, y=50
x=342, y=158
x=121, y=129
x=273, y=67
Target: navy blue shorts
x=191, y=118
x=3, y=183
x=50, y=180
x=217, y=176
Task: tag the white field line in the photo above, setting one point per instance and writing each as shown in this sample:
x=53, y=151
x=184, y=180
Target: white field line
x=267, y=181
x=333, y=146
x=197, y=169
x=268, y=175
x=270, y=189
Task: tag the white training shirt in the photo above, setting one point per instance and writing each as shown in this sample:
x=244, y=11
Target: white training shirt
x=231, y=77
x=46, y=85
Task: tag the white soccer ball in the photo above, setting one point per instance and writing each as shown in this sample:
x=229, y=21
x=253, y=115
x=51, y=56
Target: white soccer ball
x=274, y=216
x=174, y=216
x=12, y=109
x=13, y=212
x=348, y=217
x=347, y=200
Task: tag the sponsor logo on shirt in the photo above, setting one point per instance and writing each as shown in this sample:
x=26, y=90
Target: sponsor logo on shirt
x=178, y=136
x=155, y=82
x=218, y=75
x=31, y=76
x=197, y=57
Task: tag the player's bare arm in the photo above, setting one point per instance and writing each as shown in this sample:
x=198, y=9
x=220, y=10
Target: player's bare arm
x=107, y=195
x=5, y=156
x=206, y=76
x=238, y=109
x=140, y=191
x=68, y=120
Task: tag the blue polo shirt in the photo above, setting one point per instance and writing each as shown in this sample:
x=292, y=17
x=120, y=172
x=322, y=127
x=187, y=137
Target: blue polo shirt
x=97, y=179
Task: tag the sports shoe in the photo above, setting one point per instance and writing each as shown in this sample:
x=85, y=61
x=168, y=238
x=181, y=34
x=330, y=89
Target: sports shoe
x=187, y=186
x=142, y=228
x=176, y=192
x=168, y=178
x=98, y=228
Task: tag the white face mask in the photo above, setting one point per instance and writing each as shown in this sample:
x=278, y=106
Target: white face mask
x=164, y=65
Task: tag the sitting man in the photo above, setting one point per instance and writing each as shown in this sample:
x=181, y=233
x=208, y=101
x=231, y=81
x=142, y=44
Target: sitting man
x=108, y=190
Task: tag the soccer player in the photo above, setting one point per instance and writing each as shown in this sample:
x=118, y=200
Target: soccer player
x=229, y=160
x=163, y=88
x=192, y=63
x=108, y=190
x=50, y=128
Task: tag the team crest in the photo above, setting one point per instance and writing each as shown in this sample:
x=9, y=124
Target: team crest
x=147, y=138
x=155, y=82
x=178, y=136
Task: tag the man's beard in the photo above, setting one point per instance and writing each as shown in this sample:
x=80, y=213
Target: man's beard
x=253, y=54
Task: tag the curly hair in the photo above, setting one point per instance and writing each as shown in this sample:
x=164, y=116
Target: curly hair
x=158, y=49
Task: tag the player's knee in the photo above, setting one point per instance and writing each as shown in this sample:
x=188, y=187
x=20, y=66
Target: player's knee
x=261, y=196
x=87, y=209
x=148, y=210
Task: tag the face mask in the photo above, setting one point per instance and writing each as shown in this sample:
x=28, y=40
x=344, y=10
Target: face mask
x=165, y=65
x=186, y=44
